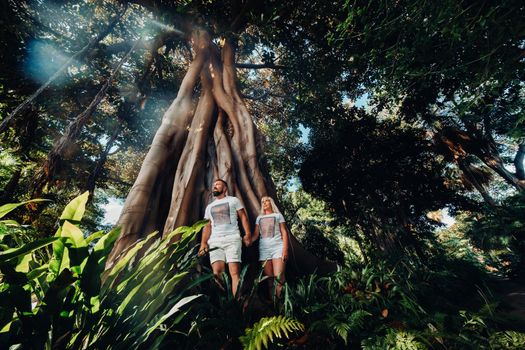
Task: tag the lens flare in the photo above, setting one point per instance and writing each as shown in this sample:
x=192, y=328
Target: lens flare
x=44, y=60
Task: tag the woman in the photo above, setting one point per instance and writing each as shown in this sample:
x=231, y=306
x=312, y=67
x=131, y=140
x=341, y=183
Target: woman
x=273, y=247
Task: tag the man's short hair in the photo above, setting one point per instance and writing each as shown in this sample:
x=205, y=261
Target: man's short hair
x=221, y=180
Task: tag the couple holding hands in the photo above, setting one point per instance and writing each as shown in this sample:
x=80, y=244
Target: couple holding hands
x=221, y=236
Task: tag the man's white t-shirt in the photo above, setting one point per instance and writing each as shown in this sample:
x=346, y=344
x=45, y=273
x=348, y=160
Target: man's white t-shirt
x=269, y=225
x=223, y=216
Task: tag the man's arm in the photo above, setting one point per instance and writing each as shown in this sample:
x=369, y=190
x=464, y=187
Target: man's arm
x=206, y=231
x=247, y=239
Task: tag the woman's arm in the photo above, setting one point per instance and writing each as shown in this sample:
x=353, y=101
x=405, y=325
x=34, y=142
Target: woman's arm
x=284, y=236
x=255, y=233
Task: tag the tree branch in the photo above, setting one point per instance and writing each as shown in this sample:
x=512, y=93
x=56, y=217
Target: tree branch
x=259, y=66
x=29, y=101
x=518, y=161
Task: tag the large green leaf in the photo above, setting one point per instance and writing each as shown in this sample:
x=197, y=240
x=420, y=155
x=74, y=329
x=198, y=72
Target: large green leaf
x=76, y=208
x=12, y=223
x=176, y=308
x=74, y=234
x=90, y=280
x=26, y=249
x=23, y=263
x=130, y=254
x=58, y=253
x=94, y=236
x=6, y=208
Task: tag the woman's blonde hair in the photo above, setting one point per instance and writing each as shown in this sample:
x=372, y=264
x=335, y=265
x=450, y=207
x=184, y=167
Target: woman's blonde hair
x=274, y=207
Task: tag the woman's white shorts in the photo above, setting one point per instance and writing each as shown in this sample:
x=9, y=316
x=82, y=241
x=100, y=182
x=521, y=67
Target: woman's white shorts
x=270, y=248
x=229, y=248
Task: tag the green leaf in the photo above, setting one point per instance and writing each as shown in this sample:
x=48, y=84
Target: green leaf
x=263, y=332
x=58, y=252
x=176, y=308
x=6, y=208
x=122, y=262
x=73, y=232
x=10, y=223
x=23, y=264
x=35, y=273
x=76, y=208
x=26, y=249
x=94, y=236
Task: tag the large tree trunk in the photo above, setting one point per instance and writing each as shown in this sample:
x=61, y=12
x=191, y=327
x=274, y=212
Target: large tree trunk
x=203, y=137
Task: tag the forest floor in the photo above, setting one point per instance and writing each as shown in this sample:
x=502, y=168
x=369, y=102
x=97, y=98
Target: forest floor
x=512, y=302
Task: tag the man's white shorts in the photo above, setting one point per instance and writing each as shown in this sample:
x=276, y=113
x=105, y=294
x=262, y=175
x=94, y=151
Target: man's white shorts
x=270, y=248
x=229, y=248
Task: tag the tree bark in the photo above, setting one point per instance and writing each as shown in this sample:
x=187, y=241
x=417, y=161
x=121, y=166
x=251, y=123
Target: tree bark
x=483, y=146
x=490, y=156
x=200, y=139
x=95, y=174
x=518, y=161
x=472, y=179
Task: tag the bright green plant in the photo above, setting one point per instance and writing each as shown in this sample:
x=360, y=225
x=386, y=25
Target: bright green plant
x=394, y=340
x=508, y=340
x=73, y=302
x=262, y=333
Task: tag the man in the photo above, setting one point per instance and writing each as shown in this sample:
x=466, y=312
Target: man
x=222, y=233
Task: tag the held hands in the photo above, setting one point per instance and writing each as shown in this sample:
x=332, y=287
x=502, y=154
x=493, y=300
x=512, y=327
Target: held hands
x=285, y=255
x=247, y=240
x=203, y=249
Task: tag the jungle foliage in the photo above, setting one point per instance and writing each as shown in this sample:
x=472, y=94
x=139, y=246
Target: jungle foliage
x=373, y=121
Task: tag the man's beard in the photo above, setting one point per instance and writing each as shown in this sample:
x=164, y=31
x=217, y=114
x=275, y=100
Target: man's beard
x=216, y=193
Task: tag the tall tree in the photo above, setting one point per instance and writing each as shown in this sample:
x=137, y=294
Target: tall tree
x=206, y=133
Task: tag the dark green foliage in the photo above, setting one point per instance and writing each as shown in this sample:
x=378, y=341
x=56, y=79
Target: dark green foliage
x=501, y=230
x=386, y=195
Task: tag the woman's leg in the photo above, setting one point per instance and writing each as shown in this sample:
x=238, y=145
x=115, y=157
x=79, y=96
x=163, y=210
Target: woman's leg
x=268, y=271
x=278, y=271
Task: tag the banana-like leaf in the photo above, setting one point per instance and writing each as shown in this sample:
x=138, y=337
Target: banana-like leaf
x=39, y=271
x=23, y=263
x=6, y=208
x=176, y=308
x=95, y=235
x=90, y=279
x=11, y=223
x=76, y=208
x=122, y=262
x=26, y=249
x=73, y=232
x=58, y=253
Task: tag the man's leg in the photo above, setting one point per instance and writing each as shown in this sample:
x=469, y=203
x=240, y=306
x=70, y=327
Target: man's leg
x=235, y=273
x=278, y=272
x=218, y=268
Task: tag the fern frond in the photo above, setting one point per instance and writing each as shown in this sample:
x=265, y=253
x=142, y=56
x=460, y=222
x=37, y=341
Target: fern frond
x=264, y=331
x=342, y=330
x=357, y=319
